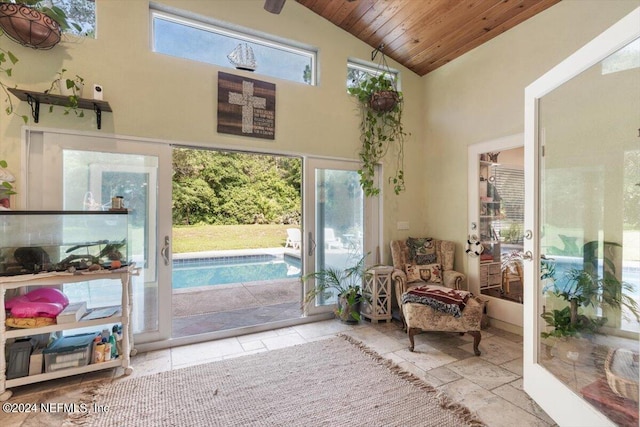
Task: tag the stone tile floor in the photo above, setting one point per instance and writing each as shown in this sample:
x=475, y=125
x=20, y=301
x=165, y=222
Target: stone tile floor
x=490, y=385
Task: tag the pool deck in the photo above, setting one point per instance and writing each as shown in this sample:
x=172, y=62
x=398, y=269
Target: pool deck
x=221, y=307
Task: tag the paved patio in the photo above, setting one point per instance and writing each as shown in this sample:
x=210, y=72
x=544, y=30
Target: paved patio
x=221, y=307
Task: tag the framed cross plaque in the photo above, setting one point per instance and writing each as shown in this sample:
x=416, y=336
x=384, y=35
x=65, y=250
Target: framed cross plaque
x=246, y=106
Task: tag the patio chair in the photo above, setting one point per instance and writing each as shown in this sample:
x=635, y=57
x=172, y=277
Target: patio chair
x=293, y=238
x=330, y=239
x=423, y=274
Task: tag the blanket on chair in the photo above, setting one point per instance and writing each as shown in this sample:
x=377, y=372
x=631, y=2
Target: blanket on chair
x=441, y=298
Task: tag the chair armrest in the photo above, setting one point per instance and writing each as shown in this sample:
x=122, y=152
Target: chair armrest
x=399, y=279
x=452, y=279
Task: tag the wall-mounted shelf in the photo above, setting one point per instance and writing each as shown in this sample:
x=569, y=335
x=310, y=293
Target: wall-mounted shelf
x=36, y=98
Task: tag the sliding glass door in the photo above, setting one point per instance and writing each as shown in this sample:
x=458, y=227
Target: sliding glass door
x=341, y=225
x=79, y=172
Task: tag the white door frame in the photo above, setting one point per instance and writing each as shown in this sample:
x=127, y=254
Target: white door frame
x=560, y=402
x=500, y=309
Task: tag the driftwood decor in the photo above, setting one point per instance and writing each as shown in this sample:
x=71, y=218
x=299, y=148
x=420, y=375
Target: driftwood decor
x=246, y=107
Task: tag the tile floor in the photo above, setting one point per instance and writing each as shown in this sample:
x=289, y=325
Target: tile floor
x=490, y=385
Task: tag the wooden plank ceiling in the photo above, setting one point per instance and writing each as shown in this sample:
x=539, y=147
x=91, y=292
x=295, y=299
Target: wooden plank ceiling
x=423, y=35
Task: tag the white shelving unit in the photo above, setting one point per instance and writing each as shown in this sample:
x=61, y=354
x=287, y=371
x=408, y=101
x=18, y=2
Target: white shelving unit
x=54, y=279
x=490, y=263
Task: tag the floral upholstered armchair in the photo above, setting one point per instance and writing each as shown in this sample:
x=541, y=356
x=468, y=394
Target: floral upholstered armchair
x=429, y=292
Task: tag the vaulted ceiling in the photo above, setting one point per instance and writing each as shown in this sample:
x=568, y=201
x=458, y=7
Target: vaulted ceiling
x=423, y=35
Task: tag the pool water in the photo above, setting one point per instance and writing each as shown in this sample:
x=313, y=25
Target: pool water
x=189, y=273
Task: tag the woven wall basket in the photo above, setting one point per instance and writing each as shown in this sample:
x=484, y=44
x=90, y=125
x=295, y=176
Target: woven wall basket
x=29, y=27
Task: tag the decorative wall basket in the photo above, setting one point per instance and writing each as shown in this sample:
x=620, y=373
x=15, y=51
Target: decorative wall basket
x=28, y=26
x=384, y=101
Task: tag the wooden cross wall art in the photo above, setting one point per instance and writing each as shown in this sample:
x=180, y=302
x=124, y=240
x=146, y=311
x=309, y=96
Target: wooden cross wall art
x=246, y=106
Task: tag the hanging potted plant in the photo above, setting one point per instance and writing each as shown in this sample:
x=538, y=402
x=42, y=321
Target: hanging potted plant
x=34, y=23
x=381, y=129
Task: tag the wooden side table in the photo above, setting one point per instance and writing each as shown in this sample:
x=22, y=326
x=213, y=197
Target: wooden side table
x=377, y=294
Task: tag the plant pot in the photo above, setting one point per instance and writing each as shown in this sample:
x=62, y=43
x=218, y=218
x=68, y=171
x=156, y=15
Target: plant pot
x=384, y=101
x=28, y=26
x=346, y=310
x=75, y=90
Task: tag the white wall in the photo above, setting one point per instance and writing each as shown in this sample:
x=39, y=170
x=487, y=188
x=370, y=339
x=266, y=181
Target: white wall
x=475, y=98
x=161, y=97
x=480, y=97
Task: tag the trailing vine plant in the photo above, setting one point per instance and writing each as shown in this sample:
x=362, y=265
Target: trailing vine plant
x=381, y=130
x=8, y=59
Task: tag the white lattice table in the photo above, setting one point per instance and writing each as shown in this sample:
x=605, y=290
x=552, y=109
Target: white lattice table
x=377, y=294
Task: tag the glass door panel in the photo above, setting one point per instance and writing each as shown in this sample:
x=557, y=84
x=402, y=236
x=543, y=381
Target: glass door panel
x=581, y=341
x=335, y=217
x=85, y=173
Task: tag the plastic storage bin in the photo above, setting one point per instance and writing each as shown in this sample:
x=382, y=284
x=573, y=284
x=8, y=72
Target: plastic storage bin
x=69, y=352
x=18, y=356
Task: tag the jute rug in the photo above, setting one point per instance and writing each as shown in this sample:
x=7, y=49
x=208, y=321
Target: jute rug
x=333, y=382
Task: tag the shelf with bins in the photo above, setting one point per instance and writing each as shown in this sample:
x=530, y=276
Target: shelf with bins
x=55, y=279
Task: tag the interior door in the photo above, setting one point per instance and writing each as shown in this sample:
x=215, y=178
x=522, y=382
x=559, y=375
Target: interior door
x=67, y=171
x=581, y=156
x=481, y=213
x=340, y=224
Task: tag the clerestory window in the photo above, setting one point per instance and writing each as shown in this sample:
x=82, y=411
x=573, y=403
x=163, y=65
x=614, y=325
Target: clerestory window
x=213, y=42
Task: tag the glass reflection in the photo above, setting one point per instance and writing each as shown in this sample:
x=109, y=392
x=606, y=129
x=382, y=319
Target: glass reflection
x=590, y=235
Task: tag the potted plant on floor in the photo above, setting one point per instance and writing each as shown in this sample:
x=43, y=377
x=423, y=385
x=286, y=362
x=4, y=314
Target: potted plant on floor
x=345, y=283
x=381, y=129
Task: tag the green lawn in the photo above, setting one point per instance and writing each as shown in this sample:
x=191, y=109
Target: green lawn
x=198, y=238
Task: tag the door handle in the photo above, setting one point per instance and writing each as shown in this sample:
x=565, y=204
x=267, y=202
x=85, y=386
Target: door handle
x=527, y=256
x=312, y=244
x=164, y=252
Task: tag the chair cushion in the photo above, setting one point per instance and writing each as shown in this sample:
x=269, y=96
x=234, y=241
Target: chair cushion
x=422, y=251
x=423, y=273
x=441, y=298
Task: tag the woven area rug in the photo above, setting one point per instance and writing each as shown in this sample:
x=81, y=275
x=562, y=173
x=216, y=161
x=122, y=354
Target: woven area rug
x=332, y=382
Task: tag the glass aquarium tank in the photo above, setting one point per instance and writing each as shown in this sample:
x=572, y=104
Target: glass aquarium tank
x=46, y=241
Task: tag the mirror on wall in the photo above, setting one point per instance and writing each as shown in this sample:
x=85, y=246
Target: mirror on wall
x=501, y=223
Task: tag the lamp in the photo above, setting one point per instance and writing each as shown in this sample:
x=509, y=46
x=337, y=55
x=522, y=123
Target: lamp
x=274, y=6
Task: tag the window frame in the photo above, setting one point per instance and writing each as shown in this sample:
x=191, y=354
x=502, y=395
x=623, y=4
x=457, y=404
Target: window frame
x=373, y=70
x=242, y=34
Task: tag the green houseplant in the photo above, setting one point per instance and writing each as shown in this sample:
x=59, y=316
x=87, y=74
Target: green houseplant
x=6, y=186
x=347, y=284
x=71, y=88
x=381, y=129
x=32, y=23
x=571, y=328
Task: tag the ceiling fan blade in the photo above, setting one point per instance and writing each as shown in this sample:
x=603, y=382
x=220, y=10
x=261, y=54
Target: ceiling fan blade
x=274, y=6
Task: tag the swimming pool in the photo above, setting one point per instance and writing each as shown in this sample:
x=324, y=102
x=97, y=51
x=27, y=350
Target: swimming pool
x=193, y=272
